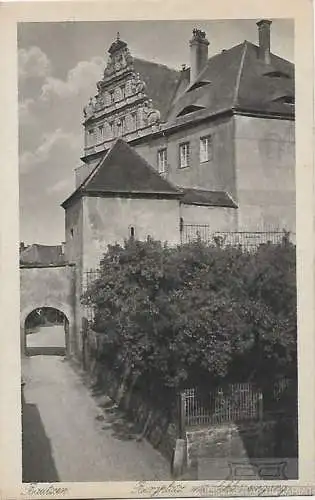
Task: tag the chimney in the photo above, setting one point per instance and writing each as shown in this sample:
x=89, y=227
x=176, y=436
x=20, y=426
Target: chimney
x=264, y=40
x=198, y=53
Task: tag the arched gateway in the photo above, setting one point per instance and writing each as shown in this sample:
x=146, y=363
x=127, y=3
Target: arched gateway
x=50, y=286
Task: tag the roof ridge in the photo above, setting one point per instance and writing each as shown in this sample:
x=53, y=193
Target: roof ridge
x=239, y=74
x=155, y=63
x=95, y=169
x=122, y=147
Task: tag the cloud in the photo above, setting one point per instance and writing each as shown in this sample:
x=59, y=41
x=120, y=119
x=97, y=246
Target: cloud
x=33, y=63
x=57, y=138
x=25, y=110
x=82, y=77
x=61, y=186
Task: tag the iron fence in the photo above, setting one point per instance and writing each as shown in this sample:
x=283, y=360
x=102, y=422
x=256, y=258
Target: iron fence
x=247, y=240
x=237, y=402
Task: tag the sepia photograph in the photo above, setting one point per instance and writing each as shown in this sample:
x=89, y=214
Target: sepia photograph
x=158, y=289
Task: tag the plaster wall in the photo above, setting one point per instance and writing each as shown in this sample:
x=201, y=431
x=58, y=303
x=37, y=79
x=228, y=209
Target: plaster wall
x=109, y=220
x=215, y=174
x=265, y=173
x=218, y=218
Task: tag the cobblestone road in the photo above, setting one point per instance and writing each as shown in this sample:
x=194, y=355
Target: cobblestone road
x=68, y=437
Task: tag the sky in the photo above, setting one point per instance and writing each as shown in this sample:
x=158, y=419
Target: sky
x=58, y=67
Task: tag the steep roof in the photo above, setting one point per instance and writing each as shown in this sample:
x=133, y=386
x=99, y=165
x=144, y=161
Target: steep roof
x=161, y=83
x=42, y=254
x=236, y=79
x=207, y=198
x=123, y=171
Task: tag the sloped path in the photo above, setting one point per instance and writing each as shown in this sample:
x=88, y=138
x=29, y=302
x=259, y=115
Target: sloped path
x=67, y=436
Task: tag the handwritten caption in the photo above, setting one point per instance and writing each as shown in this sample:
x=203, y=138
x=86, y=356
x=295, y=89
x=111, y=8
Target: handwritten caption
x=181, y=488
x=40, y=490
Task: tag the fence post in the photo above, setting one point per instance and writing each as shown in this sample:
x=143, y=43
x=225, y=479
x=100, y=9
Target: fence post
x=260, y=407
x=182, y=414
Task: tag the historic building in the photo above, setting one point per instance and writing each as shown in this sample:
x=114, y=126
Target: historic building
x=211, y=145
x=224, y=124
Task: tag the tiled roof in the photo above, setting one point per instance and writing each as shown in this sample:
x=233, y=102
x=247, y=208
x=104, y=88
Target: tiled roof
x=237, y=79
x=42, y=254
x=161, y=83
x=123, y=171
x=207, y=198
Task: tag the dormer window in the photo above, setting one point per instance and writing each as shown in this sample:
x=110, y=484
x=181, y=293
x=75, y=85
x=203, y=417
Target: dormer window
x=190, y=109
x=197, y=85
x=285, y=99
x=277, y=74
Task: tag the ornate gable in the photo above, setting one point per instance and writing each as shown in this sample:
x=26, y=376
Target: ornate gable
x=121, y=107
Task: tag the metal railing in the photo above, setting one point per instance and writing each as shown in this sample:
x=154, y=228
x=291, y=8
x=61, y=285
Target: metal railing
x=247, y=240
x=237, y=402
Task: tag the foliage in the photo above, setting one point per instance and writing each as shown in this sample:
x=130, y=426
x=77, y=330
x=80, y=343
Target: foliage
x=196, y=315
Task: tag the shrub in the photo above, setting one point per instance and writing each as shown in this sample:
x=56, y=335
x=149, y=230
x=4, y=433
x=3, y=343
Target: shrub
x=195, y=315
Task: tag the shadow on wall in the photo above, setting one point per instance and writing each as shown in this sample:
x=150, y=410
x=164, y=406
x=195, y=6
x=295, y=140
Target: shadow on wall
x=37, y=462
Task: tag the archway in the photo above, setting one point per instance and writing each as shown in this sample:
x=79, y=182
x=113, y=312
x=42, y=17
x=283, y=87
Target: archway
x=46, y=330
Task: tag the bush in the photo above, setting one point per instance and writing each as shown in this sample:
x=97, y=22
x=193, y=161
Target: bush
x=196, y=315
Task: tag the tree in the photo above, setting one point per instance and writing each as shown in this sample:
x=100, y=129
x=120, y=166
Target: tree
x=195, y=315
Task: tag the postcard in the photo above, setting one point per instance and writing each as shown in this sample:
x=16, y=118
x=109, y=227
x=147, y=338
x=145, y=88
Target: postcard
x=157, y=249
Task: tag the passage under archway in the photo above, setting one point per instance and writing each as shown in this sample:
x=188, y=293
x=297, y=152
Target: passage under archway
x=46, y=332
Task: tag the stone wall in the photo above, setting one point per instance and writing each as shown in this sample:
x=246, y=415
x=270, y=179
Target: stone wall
x=50, y=286
x=154, y=424
x=246, y=448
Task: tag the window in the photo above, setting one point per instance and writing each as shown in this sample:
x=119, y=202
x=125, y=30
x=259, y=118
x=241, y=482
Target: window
x=162, y=160
x=133, y=121
x=100, y=132
x=184, y=155
x=123, y=92
x=205, y=149
x=71, y=232
x=121, y=126
x=132, y=232
x=112, y=96
x=91, y=136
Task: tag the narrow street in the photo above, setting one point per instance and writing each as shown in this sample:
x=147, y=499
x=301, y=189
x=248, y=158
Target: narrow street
x=68, y=437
